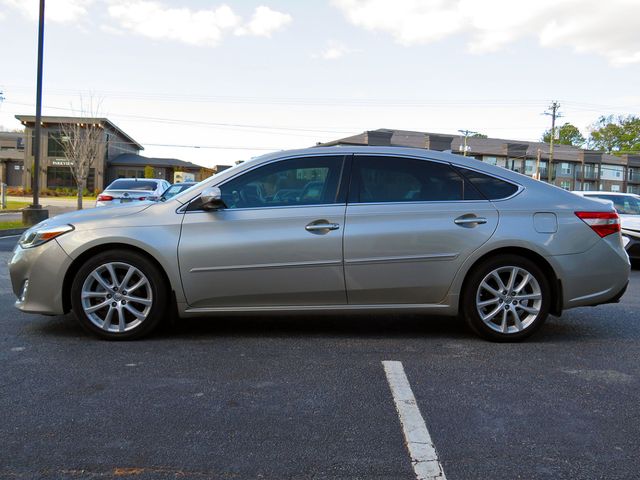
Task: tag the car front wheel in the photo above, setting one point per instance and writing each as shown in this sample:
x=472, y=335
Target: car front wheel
x=506, y=298
x=119, y=295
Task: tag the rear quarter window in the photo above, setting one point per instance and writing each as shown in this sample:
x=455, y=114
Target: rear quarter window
x=491, y=187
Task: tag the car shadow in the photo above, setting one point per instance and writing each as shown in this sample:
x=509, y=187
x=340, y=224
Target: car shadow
x=317, y=325
x=569, y=328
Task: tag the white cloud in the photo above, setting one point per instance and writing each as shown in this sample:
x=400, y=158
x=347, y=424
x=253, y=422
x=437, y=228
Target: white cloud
x=60, y=11
x=607, y=28
x=194, y=27
x=264, y=22
x=333, y=51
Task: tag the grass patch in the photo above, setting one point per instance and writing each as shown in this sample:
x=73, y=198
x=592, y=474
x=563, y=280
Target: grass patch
x=11, y=205
x=10, y=225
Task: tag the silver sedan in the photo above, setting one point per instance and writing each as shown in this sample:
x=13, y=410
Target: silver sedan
x=335, y=230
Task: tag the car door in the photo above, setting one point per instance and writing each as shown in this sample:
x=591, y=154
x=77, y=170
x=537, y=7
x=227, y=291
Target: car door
x=410, y=224
x=278, y=242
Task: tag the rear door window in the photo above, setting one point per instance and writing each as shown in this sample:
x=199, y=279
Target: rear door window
x=380, y=179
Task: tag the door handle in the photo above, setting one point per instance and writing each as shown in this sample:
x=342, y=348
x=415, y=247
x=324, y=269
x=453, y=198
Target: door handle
x=319, y=227
x=469, y=221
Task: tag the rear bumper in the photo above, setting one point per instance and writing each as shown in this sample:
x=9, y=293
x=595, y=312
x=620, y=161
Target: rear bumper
x=599, y=275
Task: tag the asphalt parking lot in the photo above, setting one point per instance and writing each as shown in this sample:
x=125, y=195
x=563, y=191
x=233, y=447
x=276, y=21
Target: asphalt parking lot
x=307, y=397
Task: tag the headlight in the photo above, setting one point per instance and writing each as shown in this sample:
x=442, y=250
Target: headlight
x=38, y=236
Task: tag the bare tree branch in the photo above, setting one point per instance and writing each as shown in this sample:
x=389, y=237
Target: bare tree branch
x=82, y=143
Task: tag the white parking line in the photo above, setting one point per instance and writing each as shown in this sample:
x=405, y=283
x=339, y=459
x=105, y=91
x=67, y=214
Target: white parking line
x=424, y=457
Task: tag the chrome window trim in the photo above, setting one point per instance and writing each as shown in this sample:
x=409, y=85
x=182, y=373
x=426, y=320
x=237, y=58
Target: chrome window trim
x=263, y=208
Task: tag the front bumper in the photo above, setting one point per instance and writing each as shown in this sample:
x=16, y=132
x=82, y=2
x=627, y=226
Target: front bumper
x=44, y=268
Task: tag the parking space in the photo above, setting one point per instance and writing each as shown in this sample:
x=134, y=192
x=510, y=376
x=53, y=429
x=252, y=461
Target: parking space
x=307, y=397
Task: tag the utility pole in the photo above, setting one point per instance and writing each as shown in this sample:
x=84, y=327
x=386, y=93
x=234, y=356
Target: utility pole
x=537, y=174
x=553, y=112
x=466, y=134
x=35, y=213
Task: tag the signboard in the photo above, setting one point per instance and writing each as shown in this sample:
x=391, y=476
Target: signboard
x=60, y=162
x=179, y=177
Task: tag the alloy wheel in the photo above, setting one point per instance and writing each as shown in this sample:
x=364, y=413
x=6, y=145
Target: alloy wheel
x=116, y=297
x=509, y=299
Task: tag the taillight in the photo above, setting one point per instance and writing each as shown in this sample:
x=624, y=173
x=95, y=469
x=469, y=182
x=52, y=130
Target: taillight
x=104, y=198
x=142, y=198
x=603, y=223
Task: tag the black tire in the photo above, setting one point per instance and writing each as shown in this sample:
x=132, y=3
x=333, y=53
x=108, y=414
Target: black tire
x=156, y=286
x=471, y=289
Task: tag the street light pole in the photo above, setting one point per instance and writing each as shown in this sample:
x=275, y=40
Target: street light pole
x=35, y=213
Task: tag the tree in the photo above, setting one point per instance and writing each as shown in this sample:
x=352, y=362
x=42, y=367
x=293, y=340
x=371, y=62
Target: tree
x=616, y=134
x=568, y=134
x=82, y=143
x=478, y=135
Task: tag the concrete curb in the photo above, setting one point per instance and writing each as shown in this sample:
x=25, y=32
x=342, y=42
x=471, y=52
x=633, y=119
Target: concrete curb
x=11, y=231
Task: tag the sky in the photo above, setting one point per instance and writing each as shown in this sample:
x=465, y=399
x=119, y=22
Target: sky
x=214, y=82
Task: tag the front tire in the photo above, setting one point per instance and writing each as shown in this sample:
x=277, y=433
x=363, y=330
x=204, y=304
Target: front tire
x=119, y=295
x=506, y=298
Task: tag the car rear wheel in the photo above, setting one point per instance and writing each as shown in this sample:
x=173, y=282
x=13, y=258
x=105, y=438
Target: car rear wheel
x=506, y=298
x=119, y=295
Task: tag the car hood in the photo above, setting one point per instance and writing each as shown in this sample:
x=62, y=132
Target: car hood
x=91, y=215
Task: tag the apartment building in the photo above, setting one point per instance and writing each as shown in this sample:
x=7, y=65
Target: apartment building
x=572, y=169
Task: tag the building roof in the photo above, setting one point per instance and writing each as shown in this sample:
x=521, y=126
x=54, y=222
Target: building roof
x=26, y=119
x=126, y=159
x=477, y=146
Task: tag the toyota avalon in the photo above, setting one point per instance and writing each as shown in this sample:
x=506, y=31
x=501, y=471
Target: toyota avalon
x=334, y=230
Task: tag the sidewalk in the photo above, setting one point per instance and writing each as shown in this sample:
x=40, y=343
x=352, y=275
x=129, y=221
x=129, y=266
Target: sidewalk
x=56, y=201
x=55, y=205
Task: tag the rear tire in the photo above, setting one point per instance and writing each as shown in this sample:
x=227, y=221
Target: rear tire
x=119, y=295
x=506, y=298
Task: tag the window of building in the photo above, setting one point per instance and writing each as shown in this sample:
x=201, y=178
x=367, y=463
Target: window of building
x=611, y=172
x=565, y=168
x=632, y=174
x=565, y=184
x=530, y=167
x=55, y=146
x=490, y=160
x=135, y=172
x=515, y=164
x=61, y=177
x=615, y=188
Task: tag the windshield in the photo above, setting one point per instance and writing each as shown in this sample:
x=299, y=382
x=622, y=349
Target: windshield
x=175, y=189
x=132, y=185
x=624, y=204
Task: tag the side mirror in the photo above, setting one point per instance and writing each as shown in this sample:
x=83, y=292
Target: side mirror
x=211, y=198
